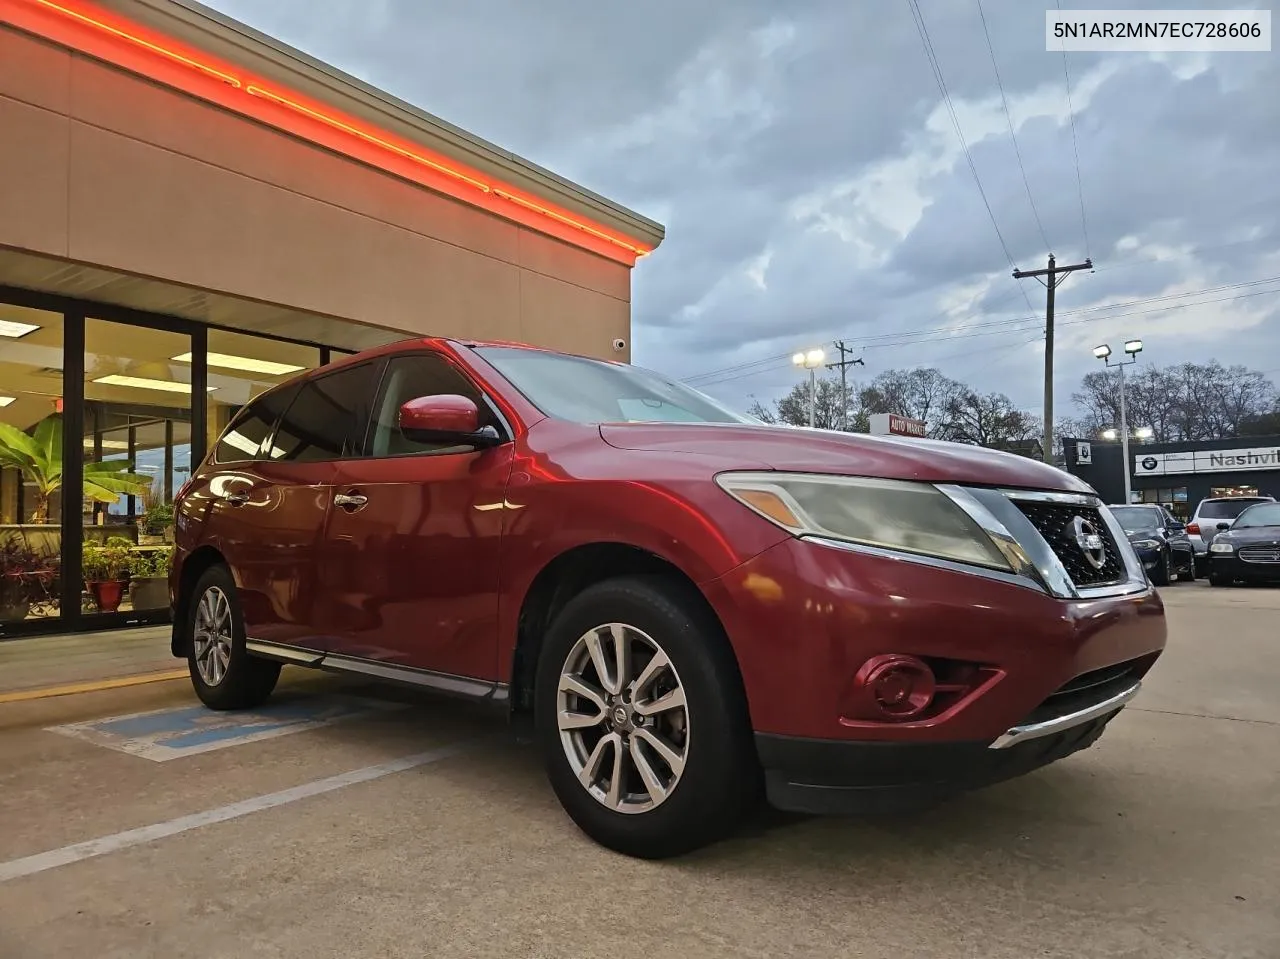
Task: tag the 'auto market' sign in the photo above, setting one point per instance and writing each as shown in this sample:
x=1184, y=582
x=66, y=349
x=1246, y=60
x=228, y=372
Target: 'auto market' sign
x=891, y=424
x=1207, y=461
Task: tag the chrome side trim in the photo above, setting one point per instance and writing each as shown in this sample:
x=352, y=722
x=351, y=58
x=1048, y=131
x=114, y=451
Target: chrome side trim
x=446, y=683
x=921, y=559
x=1020, y=734
x=282, y=653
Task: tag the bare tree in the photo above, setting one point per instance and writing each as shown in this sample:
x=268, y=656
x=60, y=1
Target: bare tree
x=989, y=419
x=793, y=409
x=921, y=394
x=1186, y=402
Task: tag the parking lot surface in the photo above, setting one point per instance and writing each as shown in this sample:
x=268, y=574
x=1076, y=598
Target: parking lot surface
x=352, y=821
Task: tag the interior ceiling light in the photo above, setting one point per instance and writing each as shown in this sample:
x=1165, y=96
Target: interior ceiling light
x=468, y=185
x=227, y=361
x=14, y=330
x=146, y=383
x=6, y=400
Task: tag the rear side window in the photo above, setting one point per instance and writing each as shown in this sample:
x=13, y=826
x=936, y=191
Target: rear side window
x=250, y=429
x=409, y=377
x=1226, y=508
x=328, y=417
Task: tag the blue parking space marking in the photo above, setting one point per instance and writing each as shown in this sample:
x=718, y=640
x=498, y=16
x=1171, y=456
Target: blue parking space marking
x=164, y=734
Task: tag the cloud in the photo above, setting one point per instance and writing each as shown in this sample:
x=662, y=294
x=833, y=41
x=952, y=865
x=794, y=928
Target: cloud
x=813, y=187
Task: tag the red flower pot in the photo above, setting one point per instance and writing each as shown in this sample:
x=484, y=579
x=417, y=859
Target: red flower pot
x=107, y=595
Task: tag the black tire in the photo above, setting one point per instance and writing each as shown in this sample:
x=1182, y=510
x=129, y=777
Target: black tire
x=721, y=780
x=1217, y=580
x=1191, y=572
x=1163, y=573
x=247, y=681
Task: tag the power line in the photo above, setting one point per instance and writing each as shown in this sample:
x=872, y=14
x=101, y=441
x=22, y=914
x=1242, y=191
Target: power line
x=931, y=56
x=1009, y=119
x=1038, y=327
x=1075, y=145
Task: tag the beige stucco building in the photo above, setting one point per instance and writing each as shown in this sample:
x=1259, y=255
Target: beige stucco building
x=187, y=203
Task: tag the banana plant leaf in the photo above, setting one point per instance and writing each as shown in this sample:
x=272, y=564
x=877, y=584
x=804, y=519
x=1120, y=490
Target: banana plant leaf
x=39, y=456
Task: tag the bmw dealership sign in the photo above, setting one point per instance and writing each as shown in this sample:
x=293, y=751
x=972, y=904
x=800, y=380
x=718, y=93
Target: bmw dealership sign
x=1207, y=461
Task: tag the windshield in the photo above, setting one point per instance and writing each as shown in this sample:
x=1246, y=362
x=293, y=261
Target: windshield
x=1225, y=508
x=591, y=391
x=1136, y=519
x=1262, y=514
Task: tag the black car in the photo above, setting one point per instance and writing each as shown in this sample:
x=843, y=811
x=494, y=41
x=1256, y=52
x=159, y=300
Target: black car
x=1160, y=541
x=1247, y=549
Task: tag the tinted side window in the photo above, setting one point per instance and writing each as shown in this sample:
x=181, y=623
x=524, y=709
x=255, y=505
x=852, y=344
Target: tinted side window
x=327, y=419
x=249, y=430
x=409, y=377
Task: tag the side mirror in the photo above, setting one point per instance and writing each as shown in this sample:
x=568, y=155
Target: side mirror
x=1222, y=526
x=446, y=418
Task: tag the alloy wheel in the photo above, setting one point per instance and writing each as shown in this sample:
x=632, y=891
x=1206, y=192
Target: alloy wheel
x=211, y=641
x=622, y=717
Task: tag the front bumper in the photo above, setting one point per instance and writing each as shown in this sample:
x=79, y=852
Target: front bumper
x=1230, y=566
x=803, y=618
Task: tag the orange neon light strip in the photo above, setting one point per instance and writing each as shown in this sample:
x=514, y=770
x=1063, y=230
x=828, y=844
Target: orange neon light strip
x=334, y=122
x=145, y=44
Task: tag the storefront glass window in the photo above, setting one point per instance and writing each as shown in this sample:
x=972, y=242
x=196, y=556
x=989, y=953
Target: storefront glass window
x=30, y=464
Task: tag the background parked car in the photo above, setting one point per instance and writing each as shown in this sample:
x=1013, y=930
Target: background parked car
x=1160, y=541
x=1249, y=549
x=1209, y=513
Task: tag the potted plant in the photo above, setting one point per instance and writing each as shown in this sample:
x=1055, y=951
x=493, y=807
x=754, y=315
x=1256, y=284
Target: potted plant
x=106, y=570
x=38, y=456
x=19, y=567
x=155, y=525
x=149, y=578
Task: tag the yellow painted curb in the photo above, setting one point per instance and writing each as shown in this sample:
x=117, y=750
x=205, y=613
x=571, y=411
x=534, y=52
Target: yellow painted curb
x=48, y=692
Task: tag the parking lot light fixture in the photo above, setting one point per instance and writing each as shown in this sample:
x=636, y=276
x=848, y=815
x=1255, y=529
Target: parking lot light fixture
x=811, y=360
x=1132, y=348
x=1109, y=434
x=1144, y=432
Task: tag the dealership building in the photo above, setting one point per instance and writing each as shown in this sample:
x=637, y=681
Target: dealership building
x=189, y=208
x=1179, y=475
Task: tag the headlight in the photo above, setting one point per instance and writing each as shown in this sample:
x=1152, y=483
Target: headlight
x=890, y=514
x=1221, y=548
x=1145, y=544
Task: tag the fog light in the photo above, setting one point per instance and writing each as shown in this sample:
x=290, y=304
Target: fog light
x=897, y=686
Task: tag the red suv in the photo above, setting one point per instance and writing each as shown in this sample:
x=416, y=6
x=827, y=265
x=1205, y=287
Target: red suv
x=693, y=607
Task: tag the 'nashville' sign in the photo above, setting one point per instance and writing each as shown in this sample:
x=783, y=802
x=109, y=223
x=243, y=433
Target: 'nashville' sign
x=1207, y=461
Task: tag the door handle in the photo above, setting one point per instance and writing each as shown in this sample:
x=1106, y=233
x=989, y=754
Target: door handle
x=237, y=499
x=350, y=500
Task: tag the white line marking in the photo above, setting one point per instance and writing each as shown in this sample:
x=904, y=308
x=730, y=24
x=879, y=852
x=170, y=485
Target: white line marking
x=40, y=862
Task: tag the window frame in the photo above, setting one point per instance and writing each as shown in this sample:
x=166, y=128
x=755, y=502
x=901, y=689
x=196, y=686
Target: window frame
x=505, y=432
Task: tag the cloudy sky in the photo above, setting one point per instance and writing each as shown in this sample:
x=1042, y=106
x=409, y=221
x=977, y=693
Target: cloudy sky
x=813, y=185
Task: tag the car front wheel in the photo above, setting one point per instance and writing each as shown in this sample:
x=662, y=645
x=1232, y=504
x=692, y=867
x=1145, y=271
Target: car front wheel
x=641, y=719
x=223, y=673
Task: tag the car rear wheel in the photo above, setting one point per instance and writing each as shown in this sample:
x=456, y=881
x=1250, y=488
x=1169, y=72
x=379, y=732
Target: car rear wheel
x=223, y=673
x=641, y=719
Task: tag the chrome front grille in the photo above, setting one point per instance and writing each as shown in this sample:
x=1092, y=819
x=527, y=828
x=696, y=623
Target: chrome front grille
x=1259, y=554
x=1054, y=521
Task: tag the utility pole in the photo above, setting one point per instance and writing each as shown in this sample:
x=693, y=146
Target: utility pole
x=1054, y=275
x=844, y=365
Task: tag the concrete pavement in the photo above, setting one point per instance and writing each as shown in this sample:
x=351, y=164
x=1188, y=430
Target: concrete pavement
x=1158, y=842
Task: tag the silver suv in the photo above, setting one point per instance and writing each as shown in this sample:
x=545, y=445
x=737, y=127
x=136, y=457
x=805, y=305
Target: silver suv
x=1209, y=513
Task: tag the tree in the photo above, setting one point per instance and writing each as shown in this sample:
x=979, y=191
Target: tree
x=1186, y=402
x=989, y=419
x=793, y=409
x=920, y=394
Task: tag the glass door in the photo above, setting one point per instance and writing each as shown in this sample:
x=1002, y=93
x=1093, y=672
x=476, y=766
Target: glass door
x=137, y=431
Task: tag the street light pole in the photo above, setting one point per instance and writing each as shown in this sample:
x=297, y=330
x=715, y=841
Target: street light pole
x=811, y=360
x=1131, y=348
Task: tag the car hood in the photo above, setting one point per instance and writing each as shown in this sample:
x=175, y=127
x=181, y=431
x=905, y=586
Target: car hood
x=1251, y=535
x=846, y=454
